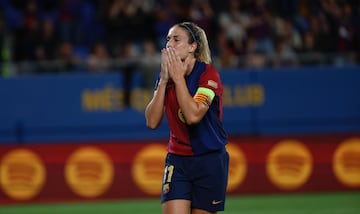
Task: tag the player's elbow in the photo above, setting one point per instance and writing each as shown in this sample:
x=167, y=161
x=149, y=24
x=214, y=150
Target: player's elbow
x=153, y=119
x=151, y=124
x=193, y=120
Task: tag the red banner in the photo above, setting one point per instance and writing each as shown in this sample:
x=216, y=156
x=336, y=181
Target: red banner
x=117, y=170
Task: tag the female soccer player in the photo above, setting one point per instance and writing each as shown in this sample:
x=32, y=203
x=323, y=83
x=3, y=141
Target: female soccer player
x=189, y=91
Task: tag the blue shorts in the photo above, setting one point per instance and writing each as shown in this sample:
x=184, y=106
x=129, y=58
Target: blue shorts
x=200, y=179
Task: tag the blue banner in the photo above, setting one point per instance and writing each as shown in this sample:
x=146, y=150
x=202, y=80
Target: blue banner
x=86, y=107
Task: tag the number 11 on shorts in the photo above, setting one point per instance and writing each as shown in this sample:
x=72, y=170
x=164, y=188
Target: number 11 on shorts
x=168, y=172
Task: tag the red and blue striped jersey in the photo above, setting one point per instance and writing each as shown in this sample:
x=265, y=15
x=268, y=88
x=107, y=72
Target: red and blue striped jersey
x=206, y=136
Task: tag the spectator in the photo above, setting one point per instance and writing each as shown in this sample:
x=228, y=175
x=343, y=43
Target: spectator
x=326, y=27
x=253, y=58
x=129, y=21
x=347, y=34
x=164, y=19
x=48, y=40
x=99, y=58
x=234, y=23
x=26, y=38
x=69, y=11
x=128, y=65
x=150, y=63
x=319, y=27
x=226, y=52
x=309, y=54
x=289, y=32
x=45, y=50
x=284, y=55
x=201, y=13
x=67, y=60
x=260, y=26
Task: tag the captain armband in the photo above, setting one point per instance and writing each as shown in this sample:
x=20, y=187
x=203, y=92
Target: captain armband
x=204, y=95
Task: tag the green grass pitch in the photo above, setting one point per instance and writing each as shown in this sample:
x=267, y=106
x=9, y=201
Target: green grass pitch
x=317, y=203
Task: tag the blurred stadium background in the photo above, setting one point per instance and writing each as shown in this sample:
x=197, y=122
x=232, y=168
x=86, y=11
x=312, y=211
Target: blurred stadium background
x=76, y=75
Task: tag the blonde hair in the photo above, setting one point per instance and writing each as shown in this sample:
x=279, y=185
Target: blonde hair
x=198, y=35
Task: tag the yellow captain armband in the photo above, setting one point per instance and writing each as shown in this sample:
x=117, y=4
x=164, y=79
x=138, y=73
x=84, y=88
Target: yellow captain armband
x=204, y=95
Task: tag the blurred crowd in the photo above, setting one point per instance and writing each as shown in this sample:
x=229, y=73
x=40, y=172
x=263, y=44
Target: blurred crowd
x=100, y=35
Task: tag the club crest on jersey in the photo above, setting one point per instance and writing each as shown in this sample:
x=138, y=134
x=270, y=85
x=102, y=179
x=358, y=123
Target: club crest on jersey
x=166, y=188
x=181, y=116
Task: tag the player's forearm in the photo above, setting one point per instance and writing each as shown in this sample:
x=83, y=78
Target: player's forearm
x=154, y=111
x=191, y=109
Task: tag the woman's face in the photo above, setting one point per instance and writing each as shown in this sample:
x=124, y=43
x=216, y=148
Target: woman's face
x=178, y=39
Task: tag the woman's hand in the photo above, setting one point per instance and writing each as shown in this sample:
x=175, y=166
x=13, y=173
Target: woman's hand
x=176, y=67
x=164, y=75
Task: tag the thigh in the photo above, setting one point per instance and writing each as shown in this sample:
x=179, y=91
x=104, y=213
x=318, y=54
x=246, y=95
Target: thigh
x=178, y=206
x=197, y=211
